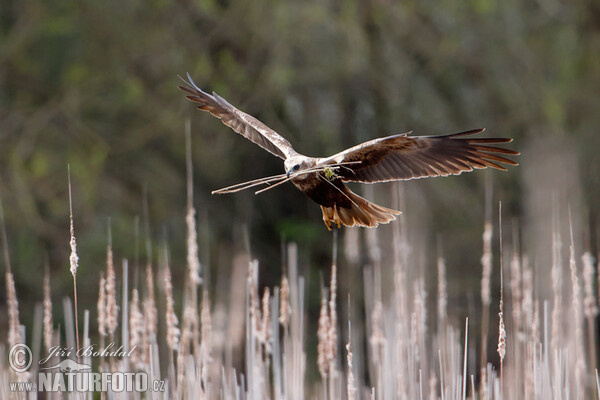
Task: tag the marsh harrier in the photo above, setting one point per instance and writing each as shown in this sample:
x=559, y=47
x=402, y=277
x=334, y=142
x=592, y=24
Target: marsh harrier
x=397, y=157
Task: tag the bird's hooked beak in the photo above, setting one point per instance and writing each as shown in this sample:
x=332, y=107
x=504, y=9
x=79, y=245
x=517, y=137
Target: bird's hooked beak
x=288, y=173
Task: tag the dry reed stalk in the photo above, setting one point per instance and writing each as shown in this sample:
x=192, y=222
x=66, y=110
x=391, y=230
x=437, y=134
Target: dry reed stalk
x=192, y=236
x=352, y=246
x=253, y=306
x=323, y=337
x=486, y=263
x=332, y=335
x=191, y=322
x=419, y=322
x=351, y=383
x=14, y=334
x=171, y=318
x=150, y=311
x=527, y=299
x=205, y=339
x=256, y=338
x=284, y=309
x=136, y=328
x=192, y=247
x=442, y=302
x=556, y=283
x=265, y=328
x=48, y=323
x=101, y=306
x=73, y=260
x=589, y=302
x=112, y=308
x=577, y=309
x=186, y=338
x=590, y=306
x=516, y=293
x=433, y=386
x=464, y=371
x=598, y=276
x=501, y=329
x=377, y=339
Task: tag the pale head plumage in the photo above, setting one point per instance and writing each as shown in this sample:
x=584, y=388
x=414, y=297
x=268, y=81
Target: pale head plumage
x=297, y=163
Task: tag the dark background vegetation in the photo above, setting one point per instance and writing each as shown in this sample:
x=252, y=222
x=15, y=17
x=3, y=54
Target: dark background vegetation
x=93, y=84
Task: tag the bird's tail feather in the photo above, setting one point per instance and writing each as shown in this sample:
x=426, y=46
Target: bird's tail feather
x=361, y=213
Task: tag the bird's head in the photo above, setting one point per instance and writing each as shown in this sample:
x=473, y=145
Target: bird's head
x=295, y=164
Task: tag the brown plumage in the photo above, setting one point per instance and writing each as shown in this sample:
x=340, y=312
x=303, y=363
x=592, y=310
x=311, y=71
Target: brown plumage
x=398, y=157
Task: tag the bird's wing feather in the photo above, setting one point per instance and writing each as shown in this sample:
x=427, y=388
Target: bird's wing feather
x=244, y=124
x=402, y=157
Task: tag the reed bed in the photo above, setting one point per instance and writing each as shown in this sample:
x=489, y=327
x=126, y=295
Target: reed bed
x=255, y=342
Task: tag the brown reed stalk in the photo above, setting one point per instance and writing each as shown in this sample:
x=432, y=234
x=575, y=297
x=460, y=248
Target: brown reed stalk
x=501, y=328
x=101, y=306
x=48, y=323
x=332, y=334
x=556, y=281
x=136, y=328
x=516, y=293
x=323, y=337
x=205, y=339
x=442, y=292
x=150, y=310
x=590, y=306
x=14, y=335
x=112, y=308
x=577, y=309
x=486, y=263
x=351, y=382
x=73, y=261
x=486, y=274
x=172, y=321
x=284, y=305
x=265, y=327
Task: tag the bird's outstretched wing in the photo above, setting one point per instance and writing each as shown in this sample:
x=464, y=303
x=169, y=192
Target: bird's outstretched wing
x=402, y=157
x=244, y=124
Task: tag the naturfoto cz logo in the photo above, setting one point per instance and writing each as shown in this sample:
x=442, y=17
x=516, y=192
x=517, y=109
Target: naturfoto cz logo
x=68, y=375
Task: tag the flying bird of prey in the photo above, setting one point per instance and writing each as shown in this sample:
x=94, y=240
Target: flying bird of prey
x=397, y=157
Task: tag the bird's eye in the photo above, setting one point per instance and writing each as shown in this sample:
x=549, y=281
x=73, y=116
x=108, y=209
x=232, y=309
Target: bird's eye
x=296, y=167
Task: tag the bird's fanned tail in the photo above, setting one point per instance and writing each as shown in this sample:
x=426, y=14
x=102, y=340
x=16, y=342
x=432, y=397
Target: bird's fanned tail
x=361, y=213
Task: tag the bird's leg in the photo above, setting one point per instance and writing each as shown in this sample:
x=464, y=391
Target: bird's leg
x=326, y=217
x=336, y=217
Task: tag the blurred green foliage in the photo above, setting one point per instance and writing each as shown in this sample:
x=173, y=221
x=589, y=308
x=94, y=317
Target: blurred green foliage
x=94, y=85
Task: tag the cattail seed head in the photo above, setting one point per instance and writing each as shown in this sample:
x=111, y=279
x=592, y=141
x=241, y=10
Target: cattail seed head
x=501, y=333
x=112, y=308
x=192, y=247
